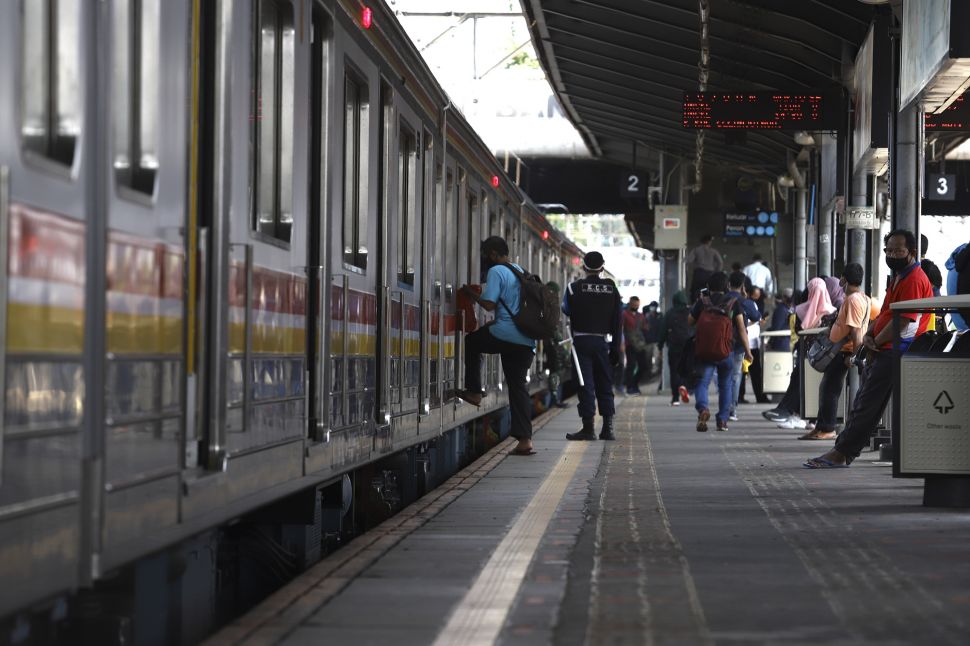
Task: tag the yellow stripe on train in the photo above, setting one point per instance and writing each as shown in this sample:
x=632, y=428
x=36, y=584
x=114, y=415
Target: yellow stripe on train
x=44, y=328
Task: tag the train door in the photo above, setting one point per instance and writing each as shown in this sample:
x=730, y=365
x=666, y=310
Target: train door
x=253, y=254
x=466, y=256
x=450, y=264
x=49, y=225
x=428, y=345
x=356, y=283
x=401, y=252
x=146, y=207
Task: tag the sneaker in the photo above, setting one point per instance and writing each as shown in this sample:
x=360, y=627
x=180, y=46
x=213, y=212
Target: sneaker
x=733, y=417
x=722, y=425
x=702, y=418
x=775, y=415
x=675, y=403
x=684, y=395
x=793, y=422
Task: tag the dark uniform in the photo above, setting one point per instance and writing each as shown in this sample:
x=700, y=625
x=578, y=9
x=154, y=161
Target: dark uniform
x=594, y=307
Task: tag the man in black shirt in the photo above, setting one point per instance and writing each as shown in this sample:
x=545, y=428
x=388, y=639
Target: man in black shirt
x=594, y=308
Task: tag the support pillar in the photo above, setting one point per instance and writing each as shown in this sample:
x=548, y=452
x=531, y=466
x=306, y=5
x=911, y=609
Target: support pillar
x=827, y=198
x=855, y=240
x=907, y=161
x=801, y=222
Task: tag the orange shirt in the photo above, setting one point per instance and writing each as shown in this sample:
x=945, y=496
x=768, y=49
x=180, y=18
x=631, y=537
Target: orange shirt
x=853, y=314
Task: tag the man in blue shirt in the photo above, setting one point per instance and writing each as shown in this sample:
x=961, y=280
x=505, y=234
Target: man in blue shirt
x=501, y=295
x=594, y=308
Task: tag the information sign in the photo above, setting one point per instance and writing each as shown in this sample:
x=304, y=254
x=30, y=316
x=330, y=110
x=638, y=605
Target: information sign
x=633, y=185
x=762, y=111
x=861, y=217
x=941, y=187
x=752, y=224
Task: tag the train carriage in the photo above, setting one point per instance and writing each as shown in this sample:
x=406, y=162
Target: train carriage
x=233, y=234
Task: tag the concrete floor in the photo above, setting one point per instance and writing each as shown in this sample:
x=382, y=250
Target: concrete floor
x=669, y=536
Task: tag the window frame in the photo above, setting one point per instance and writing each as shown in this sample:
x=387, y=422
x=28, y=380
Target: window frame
x=51, y=88
x=283, y=94
x=355, y=197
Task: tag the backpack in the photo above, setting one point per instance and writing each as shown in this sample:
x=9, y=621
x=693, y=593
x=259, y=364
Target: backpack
x=678, y=331
x=714, y=339
x=538, y=315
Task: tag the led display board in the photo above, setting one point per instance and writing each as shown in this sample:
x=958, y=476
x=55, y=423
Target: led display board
x=762, y=110
x=955, y=118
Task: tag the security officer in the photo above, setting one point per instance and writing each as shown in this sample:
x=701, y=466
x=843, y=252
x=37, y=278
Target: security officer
x=594, y=308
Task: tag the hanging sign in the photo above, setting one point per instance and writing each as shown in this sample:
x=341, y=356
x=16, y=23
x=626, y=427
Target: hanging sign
x=861, y=217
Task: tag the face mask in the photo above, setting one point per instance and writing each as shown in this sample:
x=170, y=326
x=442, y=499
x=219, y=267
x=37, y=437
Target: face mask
x=897, y=264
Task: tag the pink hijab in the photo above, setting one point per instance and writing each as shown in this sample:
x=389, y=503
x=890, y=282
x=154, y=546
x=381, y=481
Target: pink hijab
x=819, y=304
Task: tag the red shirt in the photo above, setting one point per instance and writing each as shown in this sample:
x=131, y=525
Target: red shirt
x=909, y=285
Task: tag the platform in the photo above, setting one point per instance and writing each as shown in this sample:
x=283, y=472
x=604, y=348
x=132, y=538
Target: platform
x=666, y=536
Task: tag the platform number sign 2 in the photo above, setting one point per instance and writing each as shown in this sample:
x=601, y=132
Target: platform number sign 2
x=941, y=187
x=633, y=185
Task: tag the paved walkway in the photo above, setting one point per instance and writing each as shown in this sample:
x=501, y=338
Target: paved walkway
x=666, y=536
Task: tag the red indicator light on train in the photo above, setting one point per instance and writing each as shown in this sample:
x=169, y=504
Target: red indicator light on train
x=367, y=17
x=545, y=235
x=495, y=181
x=576, y=260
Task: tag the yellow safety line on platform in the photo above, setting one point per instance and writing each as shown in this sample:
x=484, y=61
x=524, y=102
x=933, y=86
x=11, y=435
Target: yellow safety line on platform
x=481, y=614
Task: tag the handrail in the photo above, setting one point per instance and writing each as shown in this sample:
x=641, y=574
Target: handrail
x=4, y=241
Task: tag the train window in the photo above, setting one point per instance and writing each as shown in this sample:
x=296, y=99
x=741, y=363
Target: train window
x=356, y=114
x=135, y=93
x=407, y=173
x=51, y=78
x=451, y=222
x=272, y=120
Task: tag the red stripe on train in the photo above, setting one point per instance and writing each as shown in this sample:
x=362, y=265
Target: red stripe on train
x=45, y=246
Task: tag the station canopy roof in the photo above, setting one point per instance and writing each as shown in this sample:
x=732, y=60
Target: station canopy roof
x=621, y=67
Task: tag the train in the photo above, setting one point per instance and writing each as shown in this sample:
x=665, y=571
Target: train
x=232, y=236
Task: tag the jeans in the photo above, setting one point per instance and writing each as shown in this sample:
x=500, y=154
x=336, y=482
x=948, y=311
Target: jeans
x=597, y=388
x=868, y=406
x=737, y=357
x=636, y=364
x=829, y=392
x=725, y=392
x=516, y=360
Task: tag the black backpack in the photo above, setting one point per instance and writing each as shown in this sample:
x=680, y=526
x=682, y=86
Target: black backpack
x=538, y=315
x=678, y=330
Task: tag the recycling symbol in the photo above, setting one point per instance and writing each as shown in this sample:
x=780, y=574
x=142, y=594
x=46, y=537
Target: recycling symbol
x=943, y=402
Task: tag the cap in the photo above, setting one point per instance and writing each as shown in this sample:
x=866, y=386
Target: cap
x=593, y=261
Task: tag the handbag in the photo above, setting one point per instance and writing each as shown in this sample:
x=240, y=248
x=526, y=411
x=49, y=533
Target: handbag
x=823, y=349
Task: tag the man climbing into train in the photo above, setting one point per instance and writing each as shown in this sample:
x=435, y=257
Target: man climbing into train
x=501, y=337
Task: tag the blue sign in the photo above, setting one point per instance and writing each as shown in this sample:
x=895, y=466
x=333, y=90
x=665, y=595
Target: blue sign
x=754, y=224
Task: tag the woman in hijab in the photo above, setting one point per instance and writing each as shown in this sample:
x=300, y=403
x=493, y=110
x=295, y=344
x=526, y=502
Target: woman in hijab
x=817, y=305
x=809, y=314
x=836, y=293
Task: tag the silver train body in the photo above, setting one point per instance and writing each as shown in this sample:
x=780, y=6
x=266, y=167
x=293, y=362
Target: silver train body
x=232, y=237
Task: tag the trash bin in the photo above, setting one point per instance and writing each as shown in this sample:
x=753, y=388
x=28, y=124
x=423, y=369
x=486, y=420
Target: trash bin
x=776, y=365
x=931, y=410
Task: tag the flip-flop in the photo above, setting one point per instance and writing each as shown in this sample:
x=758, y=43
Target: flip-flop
x=812, y=435
x=518, y=451
x=464, y=395
x=822, y=463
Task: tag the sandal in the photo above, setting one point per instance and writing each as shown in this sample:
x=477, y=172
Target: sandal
x=518, y=451
x=818, y=435
x=823, y=463
x=470, y=396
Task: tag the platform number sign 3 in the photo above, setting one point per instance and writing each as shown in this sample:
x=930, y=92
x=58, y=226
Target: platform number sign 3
x=633, y=185
x=941, y=187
